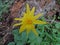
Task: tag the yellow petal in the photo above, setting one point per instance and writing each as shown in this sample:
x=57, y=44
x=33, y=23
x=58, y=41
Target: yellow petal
x=25, y=15
x=34, y=31
x=39, y=22
x=17, y=24
x=28, y=8
x=18, y=19
x=27, y=31
x=22, y=28
x=32, y=11
x=28, y=28
x=38, y=15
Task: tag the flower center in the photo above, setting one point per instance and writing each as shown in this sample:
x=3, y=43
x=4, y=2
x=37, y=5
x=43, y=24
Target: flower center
x=29, y=21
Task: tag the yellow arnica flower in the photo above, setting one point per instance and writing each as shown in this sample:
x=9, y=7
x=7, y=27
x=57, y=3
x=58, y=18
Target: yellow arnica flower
x=28, y=21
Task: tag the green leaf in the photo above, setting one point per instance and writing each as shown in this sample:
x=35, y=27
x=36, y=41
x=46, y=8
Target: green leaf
x=19, y=43
x=16, y=35
x=32, y=43
x=32, y=36
x=45, y=43
x=4, y=5
x=17, y=38
x=58, y=39
x=38, y=40
x=57, y=25
x=55, y=30
x=15, y=32
x=11, y=43
x=50, y=36
x=35, y=41
x=23, y=36
x=43, y=18
x=57, y=44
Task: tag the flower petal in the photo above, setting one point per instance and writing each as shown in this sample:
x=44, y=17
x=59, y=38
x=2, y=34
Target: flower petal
x=27, y=31
x=18, y=19
x=34, y=30
x=17, y=24
x=38, y=15
x=32, y=11
x=22, y=28
x=39, y=22
x=28, y=8
x=28, y=28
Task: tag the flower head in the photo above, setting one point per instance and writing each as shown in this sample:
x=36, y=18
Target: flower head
x=28, y=21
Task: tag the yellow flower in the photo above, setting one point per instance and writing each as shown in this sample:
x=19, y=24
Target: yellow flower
x=28, y=21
